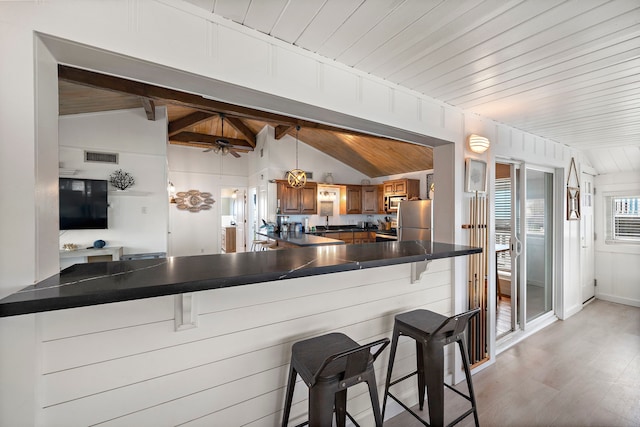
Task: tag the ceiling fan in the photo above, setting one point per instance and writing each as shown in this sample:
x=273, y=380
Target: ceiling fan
x=222, y=144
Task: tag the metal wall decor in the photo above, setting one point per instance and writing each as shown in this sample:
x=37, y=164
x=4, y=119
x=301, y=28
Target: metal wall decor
x=573, y=193
x=194, y=201
x=121, y=179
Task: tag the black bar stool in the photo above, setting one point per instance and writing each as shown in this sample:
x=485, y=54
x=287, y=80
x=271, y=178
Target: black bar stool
x=329, y=364
x=432, y=331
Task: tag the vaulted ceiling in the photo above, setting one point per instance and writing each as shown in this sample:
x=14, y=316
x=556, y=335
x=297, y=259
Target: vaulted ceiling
x=564, y=70
x=198, y=122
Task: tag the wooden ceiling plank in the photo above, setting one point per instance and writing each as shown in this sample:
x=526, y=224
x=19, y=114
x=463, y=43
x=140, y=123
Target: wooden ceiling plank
x=192, y=119
x=149, y=108
x=244, y=130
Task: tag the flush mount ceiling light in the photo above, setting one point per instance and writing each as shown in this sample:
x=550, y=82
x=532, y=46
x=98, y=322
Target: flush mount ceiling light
x=478, y=144
x=297, y=178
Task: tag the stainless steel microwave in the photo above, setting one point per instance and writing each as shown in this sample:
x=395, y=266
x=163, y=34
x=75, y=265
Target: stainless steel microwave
x=391, y=203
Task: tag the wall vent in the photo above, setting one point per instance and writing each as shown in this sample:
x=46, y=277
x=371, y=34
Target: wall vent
x=94, y=156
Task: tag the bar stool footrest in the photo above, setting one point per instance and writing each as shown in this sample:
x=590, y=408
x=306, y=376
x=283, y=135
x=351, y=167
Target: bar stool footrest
x=458, y=392
x=403, y=378
x=409, y=410
x=306, y=423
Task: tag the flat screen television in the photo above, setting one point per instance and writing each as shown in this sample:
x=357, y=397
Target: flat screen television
x=83, y=204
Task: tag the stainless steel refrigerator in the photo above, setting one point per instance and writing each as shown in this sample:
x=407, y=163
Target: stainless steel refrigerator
x=415, y=220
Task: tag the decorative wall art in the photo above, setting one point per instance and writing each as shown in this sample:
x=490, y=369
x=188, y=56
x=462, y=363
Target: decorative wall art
x=121, y=179
x=573, y=193
x=430, y=186
x=194, y=201
x=475, y=178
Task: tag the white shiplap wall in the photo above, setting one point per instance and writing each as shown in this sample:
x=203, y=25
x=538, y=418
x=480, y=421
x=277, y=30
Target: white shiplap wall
x=124, y=364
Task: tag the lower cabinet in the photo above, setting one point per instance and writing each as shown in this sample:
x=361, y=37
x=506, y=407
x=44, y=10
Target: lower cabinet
x=228, y=239
x=354, y=237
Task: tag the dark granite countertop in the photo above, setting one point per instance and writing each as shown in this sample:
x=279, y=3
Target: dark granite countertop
x=105, y=282
x=301, y=239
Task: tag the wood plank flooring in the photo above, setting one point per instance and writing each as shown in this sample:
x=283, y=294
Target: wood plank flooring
x=584, y=371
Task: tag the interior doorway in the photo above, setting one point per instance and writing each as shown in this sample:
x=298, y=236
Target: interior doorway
x=525, y=233
x=233, y=214
x=587, y=266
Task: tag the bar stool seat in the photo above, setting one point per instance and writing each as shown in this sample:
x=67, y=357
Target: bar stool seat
x=329, y=365
x=432, y=332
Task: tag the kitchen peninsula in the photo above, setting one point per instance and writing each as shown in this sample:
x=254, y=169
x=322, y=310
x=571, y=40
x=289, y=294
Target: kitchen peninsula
x=105, y=282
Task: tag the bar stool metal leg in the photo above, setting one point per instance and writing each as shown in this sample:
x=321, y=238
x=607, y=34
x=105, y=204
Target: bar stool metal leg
x=291, y=383
x=392, y=358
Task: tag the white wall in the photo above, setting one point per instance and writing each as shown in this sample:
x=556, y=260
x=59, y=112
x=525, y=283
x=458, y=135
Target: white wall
x=201, y=54
x=617, y=265
x=137, y=218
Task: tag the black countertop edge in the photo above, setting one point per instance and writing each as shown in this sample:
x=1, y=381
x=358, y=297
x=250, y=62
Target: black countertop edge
x=106, y=282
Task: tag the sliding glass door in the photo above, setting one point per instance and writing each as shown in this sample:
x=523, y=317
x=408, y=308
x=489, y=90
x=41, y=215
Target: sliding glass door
x=524, y=212
x=539, y=231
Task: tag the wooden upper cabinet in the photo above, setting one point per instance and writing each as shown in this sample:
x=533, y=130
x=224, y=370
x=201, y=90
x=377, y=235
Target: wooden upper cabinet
x=370, y=199
x=402, y=187
x=350, y=199
x=381, y=199
x=298, y=200
x=309, y=198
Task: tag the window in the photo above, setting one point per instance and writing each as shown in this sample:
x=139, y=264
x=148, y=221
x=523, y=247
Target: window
x=503, y=220
x=624, y=223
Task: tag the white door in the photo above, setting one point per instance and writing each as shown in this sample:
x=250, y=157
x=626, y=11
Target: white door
x=587, y=255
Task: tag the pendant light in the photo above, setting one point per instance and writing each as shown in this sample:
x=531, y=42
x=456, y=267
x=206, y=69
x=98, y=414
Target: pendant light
x=297, y=178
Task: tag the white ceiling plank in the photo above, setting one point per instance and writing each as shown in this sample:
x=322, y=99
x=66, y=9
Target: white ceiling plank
x=565, y=99
x=475, y=31
x=386, y=30
x=232, y=9
x=581, y=81
x=551, y=118
x=295, y=17
x=542, y=50
x=332, y=16
x=427, y=33
x=359, y=24
x=263, y=15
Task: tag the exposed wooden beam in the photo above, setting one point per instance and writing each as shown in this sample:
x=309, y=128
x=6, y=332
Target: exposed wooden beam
x=211, y=139
x=239, y=125
x=189, y=120
x=282, y=131
x=149, y=108
x=197, y=102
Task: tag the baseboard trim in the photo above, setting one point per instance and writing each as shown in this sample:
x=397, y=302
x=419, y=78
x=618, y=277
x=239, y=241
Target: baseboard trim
x=617, y=299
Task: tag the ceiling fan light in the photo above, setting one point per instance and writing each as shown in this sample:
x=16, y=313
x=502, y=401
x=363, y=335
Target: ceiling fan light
x=478, y=144
x=225, y=150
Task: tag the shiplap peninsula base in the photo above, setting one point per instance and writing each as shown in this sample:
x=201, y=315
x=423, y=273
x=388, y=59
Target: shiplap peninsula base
x=129, y=363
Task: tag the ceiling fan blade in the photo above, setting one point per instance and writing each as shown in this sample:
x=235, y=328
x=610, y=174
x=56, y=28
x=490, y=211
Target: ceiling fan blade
x=234, y=153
